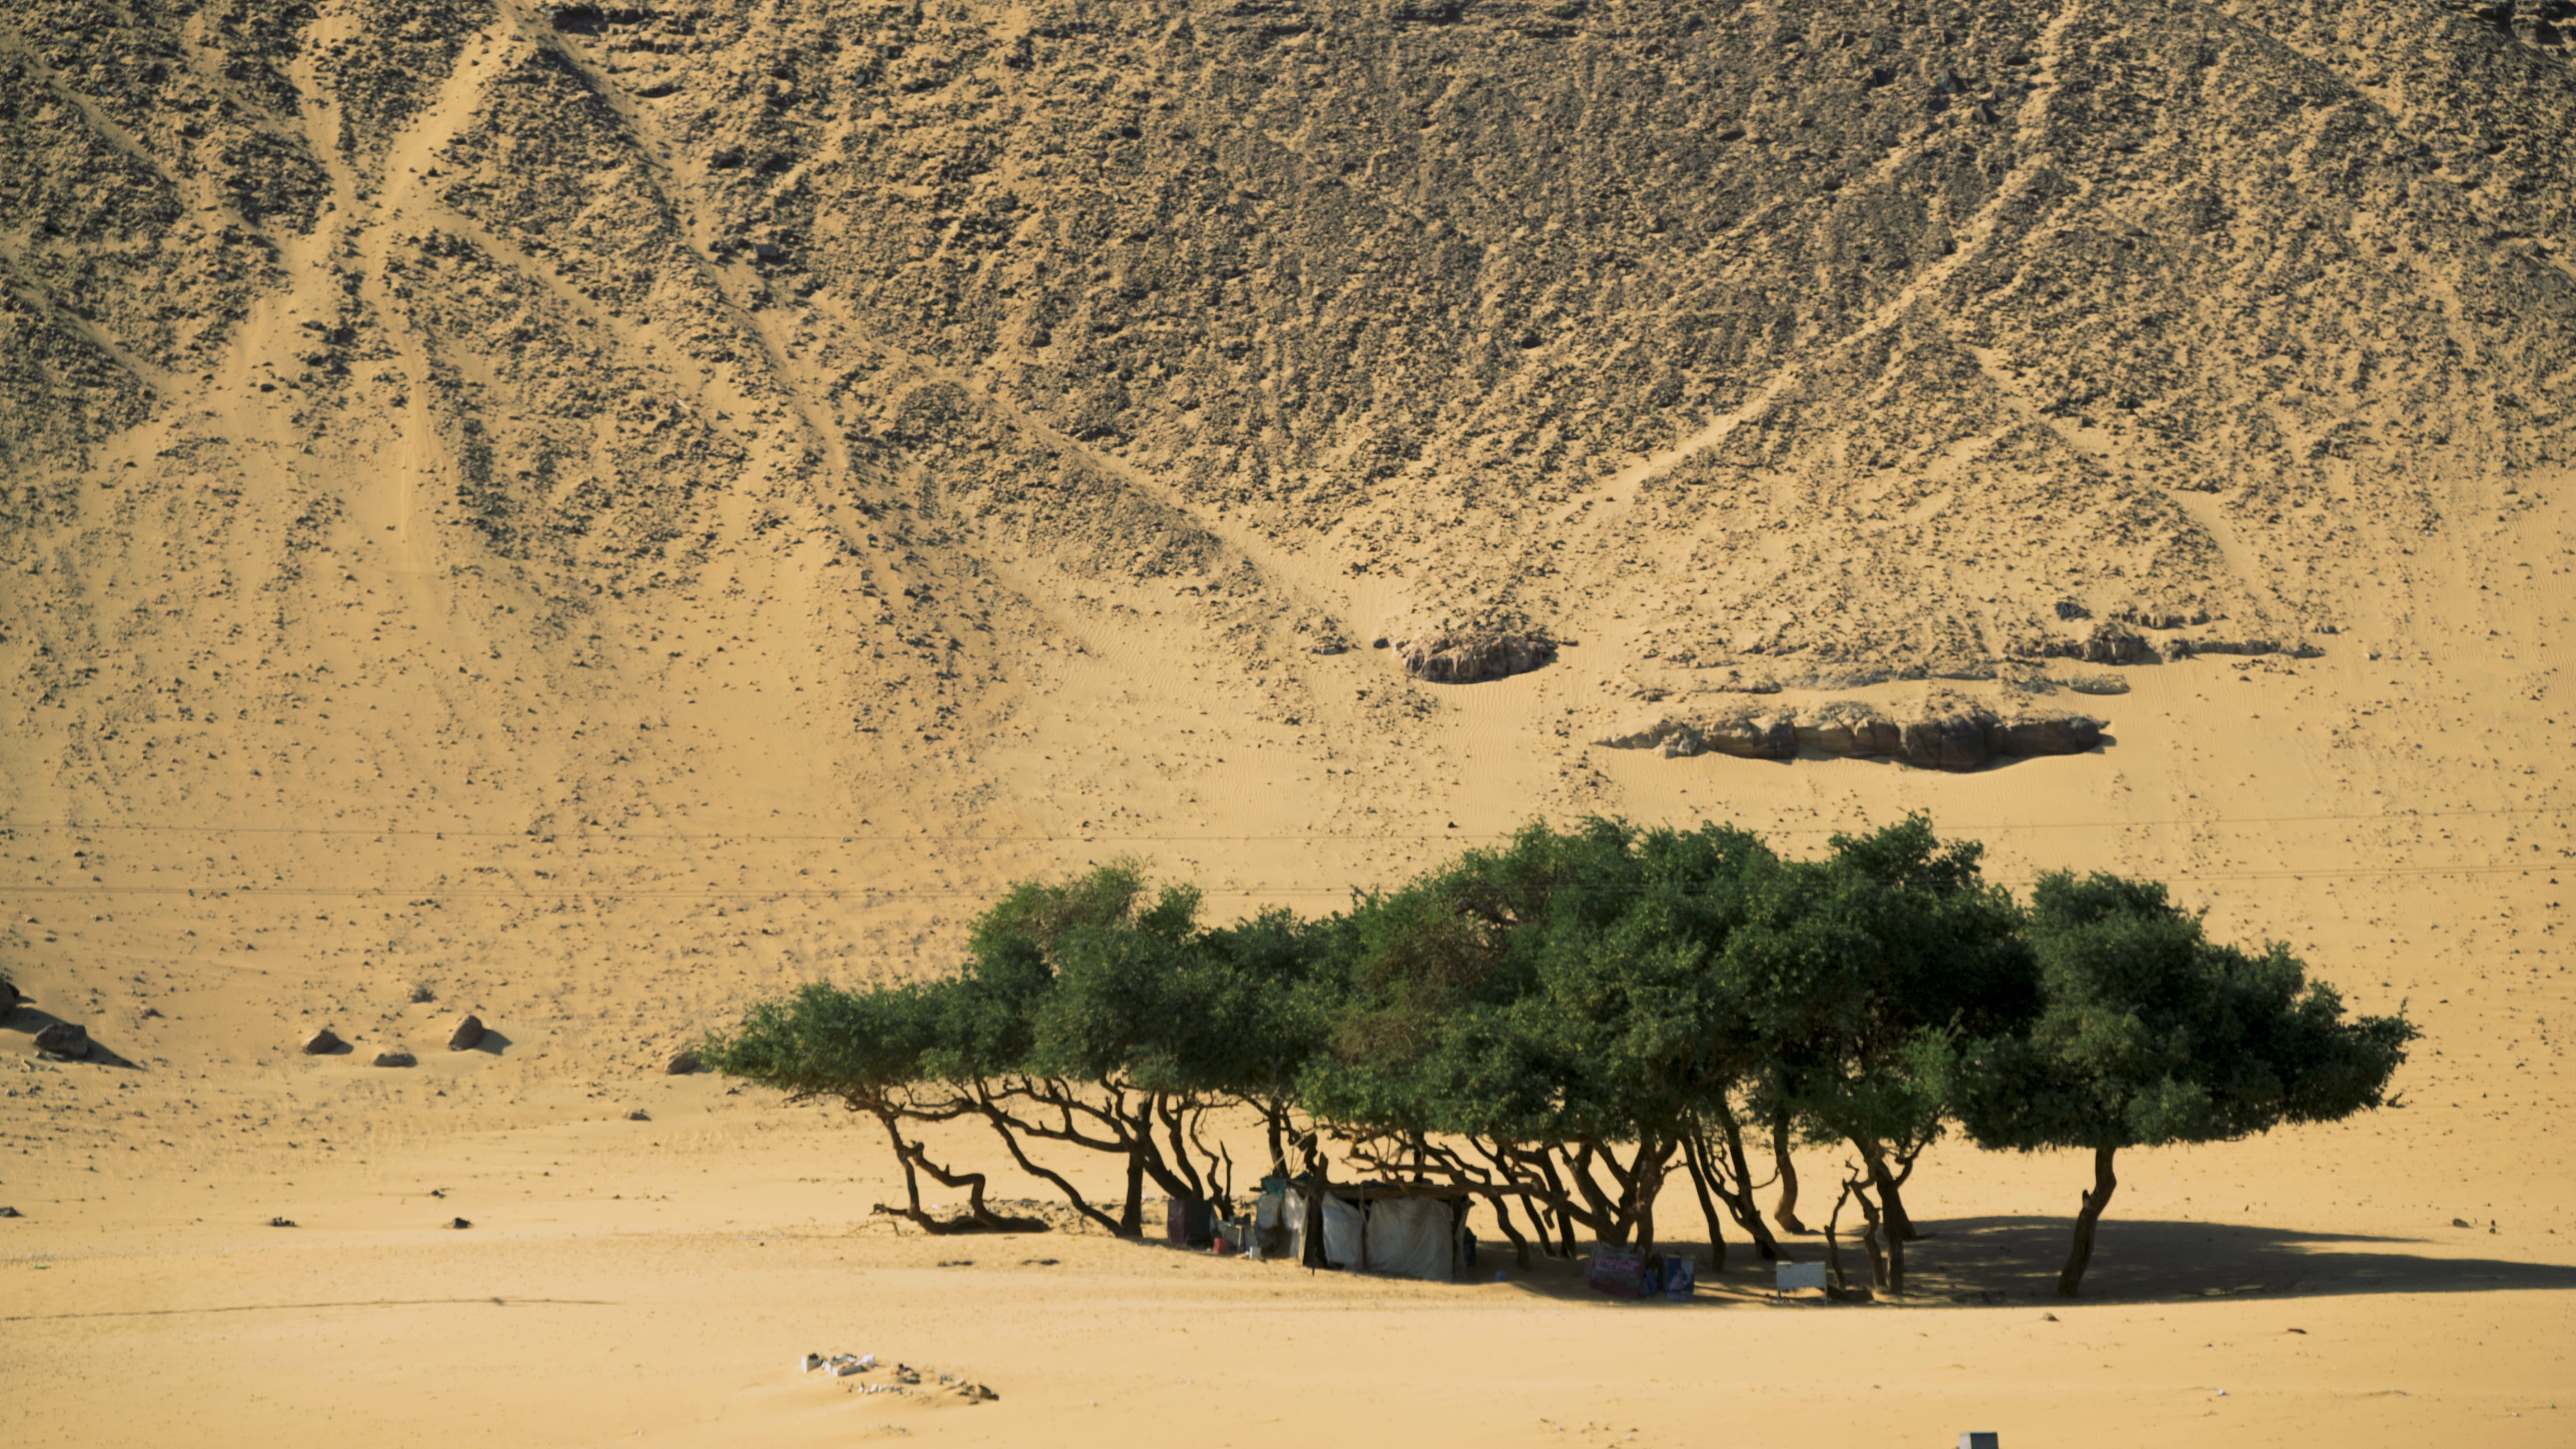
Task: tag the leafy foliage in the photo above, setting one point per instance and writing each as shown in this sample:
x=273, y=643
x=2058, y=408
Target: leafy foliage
x=1569, y=1020
x=2150, y=1033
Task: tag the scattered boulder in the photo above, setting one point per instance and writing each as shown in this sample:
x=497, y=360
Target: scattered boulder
x=10, y=1212
x=468, y=1035
x=638, y=1114
x=459, y=1224
x=281, y=1222
x=63, y=1039
x=681, y=1063
x=1448, y=656
x=9, y=997
x=323, y=1043
x=396, y=1059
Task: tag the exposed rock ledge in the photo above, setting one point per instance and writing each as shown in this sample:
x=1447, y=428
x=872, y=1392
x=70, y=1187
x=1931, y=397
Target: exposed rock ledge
x=1467, y=656
x=1958, y=738
x=2114, y=643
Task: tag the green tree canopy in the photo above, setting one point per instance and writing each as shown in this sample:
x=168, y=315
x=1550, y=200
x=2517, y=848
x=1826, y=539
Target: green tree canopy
x=2150, y=1033
x=1569, y=1019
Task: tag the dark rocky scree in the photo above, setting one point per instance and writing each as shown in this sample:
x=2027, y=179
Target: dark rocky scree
x=1956, y=308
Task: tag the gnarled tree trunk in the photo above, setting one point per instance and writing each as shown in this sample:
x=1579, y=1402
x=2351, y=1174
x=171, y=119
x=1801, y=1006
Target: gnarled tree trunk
x=1699, y=1172
x=2104, y=1184
x=1786, y=1214
x=1740, y=1202
x=1891, y=1203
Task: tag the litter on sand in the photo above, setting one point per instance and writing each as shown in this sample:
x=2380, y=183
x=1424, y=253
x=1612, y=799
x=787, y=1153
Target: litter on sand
x=905, y=1378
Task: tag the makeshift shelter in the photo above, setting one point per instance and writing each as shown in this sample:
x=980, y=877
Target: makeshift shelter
x=1409, y=1231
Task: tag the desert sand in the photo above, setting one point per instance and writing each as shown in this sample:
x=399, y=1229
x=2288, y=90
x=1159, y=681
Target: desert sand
x=588, y=516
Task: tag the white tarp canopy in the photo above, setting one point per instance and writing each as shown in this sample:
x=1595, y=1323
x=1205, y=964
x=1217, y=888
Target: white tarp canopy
x=1410, y=1237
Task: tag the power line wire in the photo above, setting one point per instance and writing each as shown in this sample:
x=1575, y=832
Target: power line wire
x=1307, y=837
x=414, y=894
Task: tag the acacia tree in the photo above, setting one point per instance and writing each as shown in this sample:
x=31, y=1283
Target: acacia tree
x=1089, y=1014
x=1544, y=1022
x=869, y=1050
x=2150, y=1033
x=1858, y=971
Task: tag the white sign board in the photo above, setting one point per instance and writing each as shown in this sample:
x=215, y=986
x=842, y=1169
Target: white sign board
x=1794, y=1276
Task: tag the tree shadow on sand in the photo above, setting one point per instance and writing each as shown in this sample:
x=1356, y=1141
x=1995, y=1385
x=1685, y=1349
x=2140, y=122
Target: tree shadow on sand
x=1972, y=1261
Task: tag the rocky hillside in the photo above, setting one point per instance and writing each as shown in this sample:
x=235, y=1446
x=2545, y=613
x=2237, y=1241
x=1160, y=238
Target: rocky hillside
x=518, y=359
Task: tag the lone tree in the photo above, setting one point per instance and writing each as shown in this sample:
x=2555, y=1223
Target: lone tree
x=2149, y=1033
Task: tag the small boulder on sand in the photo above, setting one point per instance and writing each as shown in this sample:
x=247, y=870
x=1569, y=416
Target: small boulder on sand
x=638, y=1114
x=396, y=1059
x=63, y=1039
x=468, y=1034
x=681, y=1064
x=1471, y=656
x=322, y=1043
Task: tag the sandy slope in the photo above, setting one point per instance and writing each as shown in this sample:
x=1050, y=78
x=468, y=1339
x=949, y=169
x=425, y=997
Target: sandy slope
x=438, y=556
x=2401, y=821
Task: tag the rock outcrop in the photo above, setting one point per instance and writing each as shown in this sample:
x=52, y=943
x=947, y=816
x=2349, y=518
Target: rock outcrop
x=1946, y=736
x=1470, y=656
